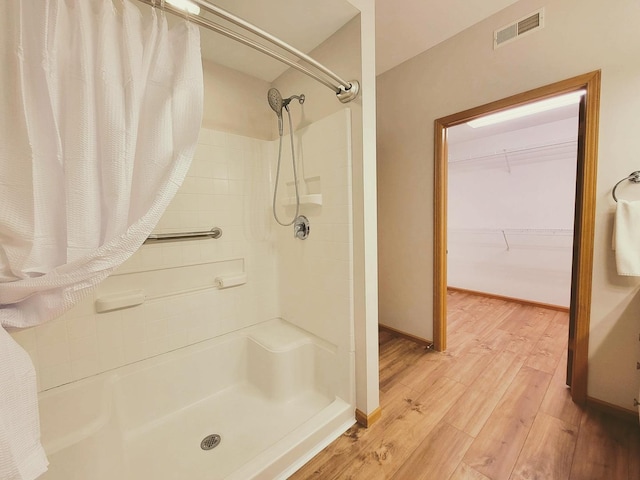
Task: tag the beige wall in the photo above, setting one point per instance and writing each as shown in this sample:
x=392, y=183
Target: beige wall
x=235, y=102
x=340, y=53
x=579, y=36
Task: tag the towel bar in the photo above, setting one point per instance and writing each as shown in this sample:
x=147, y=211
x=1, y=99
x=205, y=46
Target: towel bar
x=632, y=177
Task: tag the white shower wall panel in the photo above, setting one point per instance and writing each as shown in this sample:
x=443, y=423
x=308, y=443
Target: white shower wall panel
x=315, y=275
x=227, y=186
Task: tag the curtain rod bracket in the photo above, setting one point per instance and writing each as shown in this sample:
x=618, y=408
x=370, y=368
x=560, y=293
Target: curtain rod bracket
x=345, y=95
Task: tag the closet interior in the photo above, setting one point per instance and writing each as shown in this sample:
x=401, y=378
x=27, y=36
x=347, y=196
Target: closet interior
x=511, y=199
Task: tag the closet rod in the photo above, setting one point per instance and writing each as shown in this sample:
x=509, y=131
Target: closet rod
x=345, y=91
x=515, y=231
x=539, y=148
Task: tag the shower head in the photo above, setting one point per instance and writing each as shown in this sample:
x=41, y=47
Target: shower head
x=275, y=100
x=276, y=103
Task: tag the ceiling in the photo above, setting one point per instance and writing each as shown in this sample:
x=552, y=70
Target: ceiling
x=463, y=132
x=302, y=24
x=404, y=28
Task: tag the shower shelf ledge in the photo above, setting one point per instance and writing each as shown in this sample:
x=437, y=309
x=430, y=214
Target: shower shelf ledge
x=305, y=200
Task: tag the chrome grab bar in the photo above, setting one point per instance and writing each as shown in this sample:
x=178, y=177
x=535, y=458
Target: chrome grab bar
x=215, y=232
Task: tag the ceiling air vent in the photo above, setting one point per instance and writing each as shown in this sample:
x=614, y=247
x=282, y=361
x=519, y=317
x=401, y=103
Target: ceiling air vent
x=515, y=30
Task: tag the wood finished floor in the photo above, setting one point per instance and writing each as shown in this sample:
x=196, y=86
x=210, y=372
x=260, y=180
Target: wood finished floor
x=494, y=406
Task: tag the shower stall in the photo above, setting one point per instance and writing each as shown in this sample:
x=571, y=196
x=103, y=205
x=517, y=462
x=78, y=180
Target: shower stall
x=231, y=357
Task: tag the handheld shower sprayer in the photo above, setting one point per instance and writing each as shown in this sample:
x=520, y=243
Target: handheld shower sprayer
x=277, y=103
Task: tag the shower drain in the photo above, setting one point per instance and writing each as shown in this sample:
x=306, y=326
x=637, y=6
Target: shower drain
x=210, y=442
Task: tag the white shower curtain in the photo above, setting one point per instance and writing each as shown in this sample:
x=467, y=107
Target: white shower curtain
x=100, y=109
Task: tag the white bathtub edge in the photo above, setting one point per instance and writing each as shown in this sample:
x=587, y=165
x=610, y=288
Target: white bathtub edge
x=321, y=445
x=292, y=452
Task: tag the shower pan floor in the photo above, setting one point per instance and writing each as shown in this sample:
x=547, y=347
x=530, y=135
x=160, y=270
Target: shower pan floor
x=270, y=391
x=247, y=421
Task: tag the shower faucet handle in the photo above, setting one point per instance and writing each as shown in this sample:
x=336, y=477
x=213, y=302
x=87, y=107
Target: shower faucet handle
x=301, y=227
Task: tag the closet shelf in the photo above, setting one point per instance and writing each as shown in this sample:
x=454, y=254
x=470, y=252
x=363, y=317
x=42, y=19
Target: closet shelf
x=305, y=200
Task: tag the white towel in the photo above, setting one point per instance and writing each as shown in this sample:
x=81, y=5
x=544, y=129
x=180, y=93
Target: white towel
x=21, y=455
x=626, y=238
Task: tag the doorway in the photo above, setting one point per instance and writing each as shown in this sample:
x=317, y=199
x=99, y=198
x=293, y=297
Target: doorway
x=582, y=258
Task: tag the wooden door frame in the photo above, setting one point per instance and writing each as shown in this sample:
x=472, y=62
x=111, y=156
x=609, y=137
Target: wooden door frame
x=584, y=224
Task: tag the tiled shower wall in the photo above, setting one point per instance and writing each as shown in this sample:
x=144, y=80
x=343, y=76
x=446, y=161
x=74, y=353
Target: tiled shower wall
x=227, y=186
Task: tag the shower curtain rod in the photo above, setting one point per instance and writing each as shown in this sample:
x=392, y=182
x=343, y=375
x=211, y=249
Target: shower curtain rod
x=345, y=91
